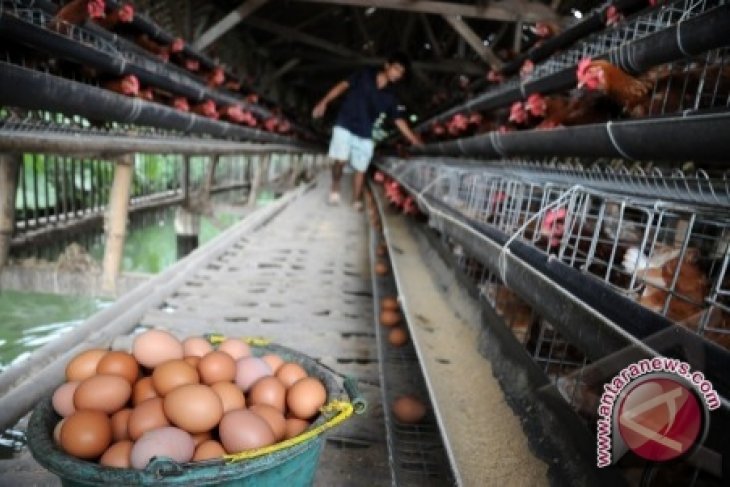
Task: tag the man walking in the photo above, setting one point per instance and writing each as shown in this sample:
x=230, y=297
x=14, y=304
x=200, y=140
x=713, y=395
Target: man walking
x=368, y=95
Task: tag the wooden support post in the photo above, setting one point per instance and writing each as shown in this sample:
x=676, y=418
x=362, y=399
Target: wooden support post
x=260, y=177
x=185, y=182
x=116, y=222
x=9, y=169
x=296, y=169
x=187, y=229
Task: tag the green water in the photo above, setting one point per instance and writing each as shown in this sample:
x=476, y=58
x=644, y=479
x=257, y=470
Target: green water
x=151, y=249
x=29, y=320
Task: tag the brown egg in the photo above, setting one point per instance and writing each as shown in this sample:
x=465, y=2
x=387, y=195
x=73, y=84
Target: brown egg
x=389, y=302
x=389, y=317
x=172, y=374
x=143, y=390
x=273, y=417
x=295, y=427
x=167, y=441
x=83, y=365
x=243, y=430
x=196, y=347
x=118, y=455
x=86, y=434
x=397, y=337
x=217, y=366
x=154, y=347
x=270, y=391
x=230, y=395
x=192, y=360
x=249, y=370
x=119, y=363
x=408, y=409
x=381, y=250
x=235, y=348
x=147, y=416
x=208, y=450
x=305, y=397
x=274, y=361
x=289, y=373
x=107, y=393
x=381, y=268
x=57, y=431
x=63, y=399
x=199, y=438
x=194, y=407
x=120, y=424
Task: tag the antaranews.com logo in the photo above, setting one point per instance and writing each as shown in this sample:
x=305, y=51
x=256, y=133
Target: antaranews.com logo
x=658, y=408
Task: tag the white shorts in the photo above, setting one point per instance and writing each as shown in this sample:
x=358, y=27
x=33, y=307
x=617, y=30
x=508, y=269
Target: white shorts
x=346, y=146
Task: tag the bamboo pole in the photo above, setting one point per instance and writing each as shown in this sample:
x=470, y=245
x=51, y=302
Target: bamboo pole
x=9, y=169
x=260, y=177
x=116, y=222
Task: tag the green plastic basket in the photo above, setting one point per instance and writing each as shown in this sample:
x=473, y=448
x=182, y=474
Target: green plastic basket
x=292, y=466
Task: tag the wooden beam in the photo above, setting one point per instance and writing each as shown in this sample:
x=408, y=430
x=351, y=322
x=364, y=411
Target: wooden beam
x=445, y=66
x=474, y=41
x=406, y=33
x=295, y=35
x=116, y=225
x=509, y=10
x=288, y=66
x=431, y=37
x=360, y=23
x=227, y=23
x=9, y=169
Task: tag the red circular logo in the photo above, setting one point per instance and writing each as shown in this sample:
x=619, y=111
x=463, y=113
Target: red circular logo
x=659, y=418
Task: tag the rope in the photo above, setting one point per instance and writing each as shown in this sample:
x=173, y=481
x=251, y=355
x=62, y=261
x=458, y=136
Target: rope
x=343, y=410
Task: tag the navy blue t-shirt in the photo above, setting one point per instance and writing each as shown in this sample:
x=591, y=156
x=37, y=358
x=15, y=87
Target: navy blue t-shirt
x=364, y=102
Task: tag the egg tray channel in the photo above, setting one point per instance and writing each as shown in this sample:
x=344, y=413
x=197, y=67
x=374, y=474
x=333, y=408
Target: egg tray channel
x=292, y=466
x=416, y=451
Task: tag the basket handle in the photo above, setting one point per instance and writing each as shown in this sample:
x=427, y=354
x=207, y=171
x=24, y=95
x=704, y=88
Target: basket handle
x=359, y=403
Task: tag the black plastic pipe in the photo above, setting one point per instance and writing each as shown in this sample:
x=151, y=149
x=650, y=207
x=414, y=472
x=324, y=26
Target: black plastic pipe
x=690, y=37
x=31, y=89
x=593, y=22
x=149, y=27
x=147, y=70
x=695, y=136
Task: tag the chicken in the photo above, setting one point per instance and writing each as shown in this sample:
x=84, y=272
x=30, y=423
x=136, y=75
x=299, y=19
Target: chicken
x=604, y=77
x=206, y=109
x=516, y=313
x=545, y=29
x=579, y=109
x=527, y=68
x=232, y=85
x=147, y=94
x=659, y=271
x=76, y=12
x=181, y=103
x=123, y=15
x=216, y=77
x=127, y=85
x=613, y=16
x=495, y=77
x=231, y=113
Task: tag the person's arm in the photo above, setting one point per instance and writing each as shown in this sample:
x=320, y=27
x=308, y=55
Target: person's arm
x=412, y=137
x=332, y=94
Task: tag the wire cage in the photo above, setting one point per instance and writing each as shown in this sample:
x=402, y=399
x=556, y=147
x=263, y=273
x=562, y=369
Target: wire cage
x=669, y=257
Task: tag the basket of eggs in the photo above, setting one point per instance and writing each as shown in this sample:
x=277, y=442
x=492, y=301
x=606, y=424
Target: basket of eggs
x=201, y=411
